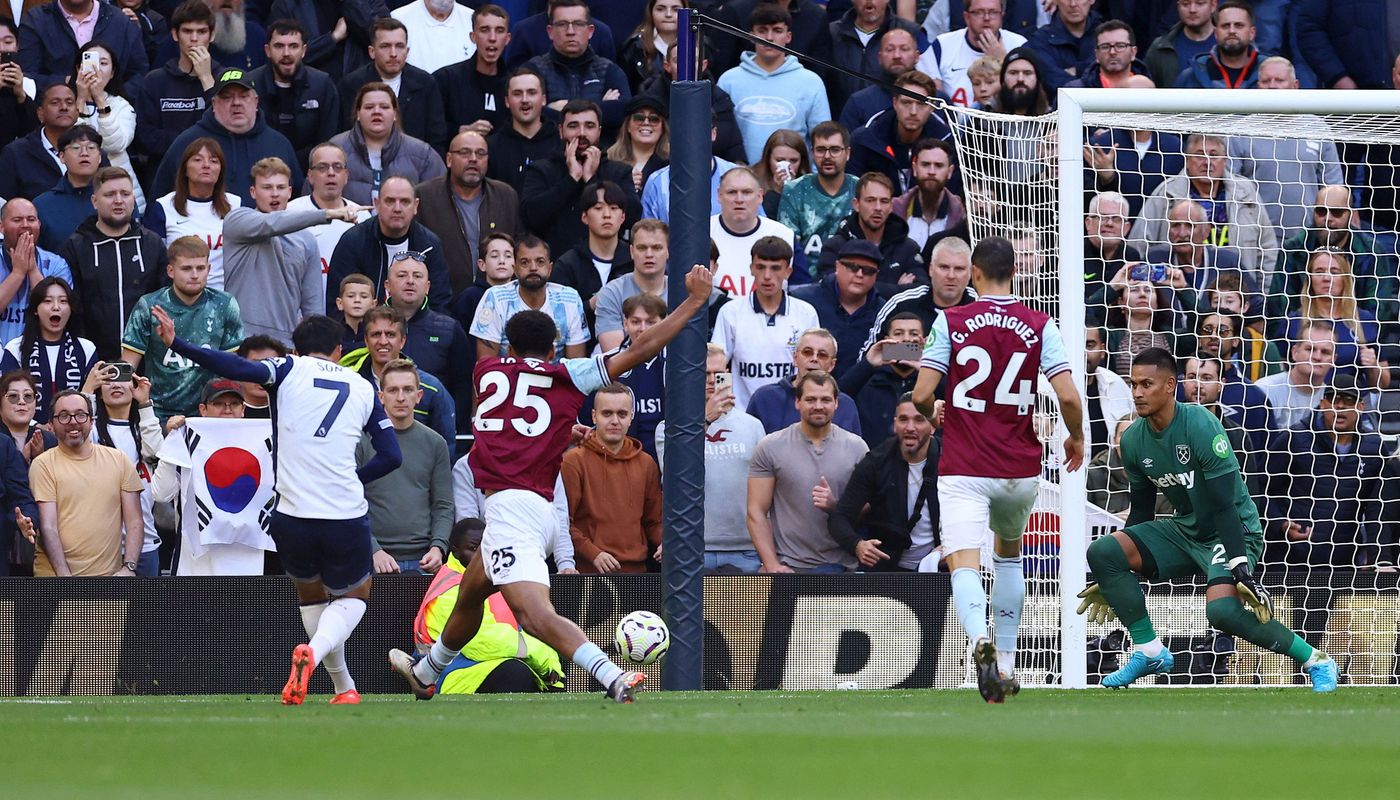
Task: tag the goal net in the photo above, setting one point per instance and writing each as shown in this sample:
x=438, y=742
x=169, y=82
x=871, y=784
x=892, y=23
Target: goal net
x=1258, y=245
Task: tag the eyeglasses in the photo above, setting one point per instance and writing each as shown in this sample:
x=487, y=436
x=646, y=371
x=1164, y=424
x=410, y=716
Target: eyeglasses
x=411, y=255
x=642, y=117
x=827, y=151
x=467, y=152
x=986, y=13
x=1113, y=47
x=571, y=24
x=68, y=418
x=18, y=399
x=82, y=147
x=334, y=166
x=1217, y=330
x=864, y=269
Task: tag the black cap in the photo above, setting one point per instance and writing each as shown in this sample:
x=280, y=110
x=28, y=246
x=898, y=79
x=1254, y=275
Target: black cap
x=861, y=248
x=232, y=77
x=219, y=386
x=641, y=101
x=1343, y=383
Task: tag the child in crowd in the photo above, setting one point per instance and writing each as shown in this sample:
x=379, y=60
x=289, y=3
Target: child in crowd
x=355, y=300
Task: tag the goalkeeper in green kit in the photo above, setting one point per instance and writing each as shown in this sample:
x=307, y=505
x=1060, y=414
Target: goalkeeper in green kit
x=1181, y=449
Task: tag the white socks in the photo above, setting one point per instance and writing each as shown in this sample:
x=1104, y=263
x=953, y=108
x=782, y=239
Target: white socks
x=1151, y=649
x=592, y=658
x=334, y=660
x=337, y=620
x=1008, y=596
x=970, y=602
x=430, y=667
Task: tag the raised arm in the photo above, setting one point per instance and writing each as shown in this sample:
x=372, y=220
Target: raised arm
x=699, y=282
x=224, y=364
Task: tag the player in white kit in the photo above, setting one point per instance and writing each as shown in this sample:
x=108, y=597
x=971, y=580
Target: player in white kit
x=989, y=474
x=321, y=525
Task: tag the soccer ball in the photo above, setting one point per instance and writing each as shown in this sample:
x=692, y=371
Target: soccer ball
x=642, y=637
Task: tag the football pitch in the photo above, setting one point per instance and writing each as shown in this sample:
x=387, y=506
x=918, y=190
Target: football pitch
x=911, y=744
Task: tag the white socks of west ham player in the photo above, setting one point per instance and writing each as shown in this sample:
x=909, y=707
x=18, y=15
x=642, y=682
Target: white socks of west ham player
x=970, y=602
x=592, y=658
x=329, y=625
x=1008, y=596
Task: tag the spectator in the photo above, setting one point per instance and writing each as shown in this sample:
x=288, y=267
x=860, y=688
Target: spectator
x=273, y=266
x=86, y=495
x=1177, y=49
x=1293, y=395
x=354, y=301
x=436, y=341
x=1105, y=250
x=601, y=257
x=898, y=480
x=1330, y=295
x=377, y=137
x=901, y=264
x=1374, y=266
x=656, y=192
x=643, y=54
x=813, y=205
x=728, y=141
x=49, y=41
x=29, y=165
x=370, y=246
x=385, y=335
x=1244, y=364
x=1345, y=43
x=495, y=267
x=811, y=30
x=18, y=409
x=1021, y=16
x=1243, y=348
x=1233, y=208
x=796, y=478
x=474, y=89
x=15, y=494
x=114, y=261
x=470, y=500
x=1203, y=382
x=737, y=228
x=25, y=263
x=899, y=52
x=410, y=509
x=56, y=357
x=1066, y=45
x=775, y=404
x=985, y=76
x=1107, y=481
x=16, y=91
x=649, y=254
x=440, y=34
x=299, y=102
x=761, y=332
x=1107, y=395
x=1201, y=263
x=464, y=205
x=238, y=41
x=417, y=102
x=1139, y=316
x=949, y=54
x=1115, y=59
x=949, y=270
x=1233, y=63
x=102, y=103
x=769, y=73
x=203, y=315
x=339, y=30
x=172, y=97
x=784, y=158
x=555, y=185
x=730, y=439
x=531, y=289
x=233, y=120
x=198, y=205
x=1325, y=479
x=528, y=137
x=125, y=420
x=647, y=381
x=644, y=142
x=929, y=208
x=846, y=301
x=855, y=45
x=69, y=201
x=614, y=491
x=886, y=143
x=877, y=383
x=572, y=70
x=327, y=175
x=155, y=31
x=1133, y=163
x=257, y=404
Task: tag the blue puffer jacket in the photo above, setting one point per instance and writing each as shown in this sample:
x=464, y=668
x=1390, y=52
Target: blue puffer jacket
x=1345, y=38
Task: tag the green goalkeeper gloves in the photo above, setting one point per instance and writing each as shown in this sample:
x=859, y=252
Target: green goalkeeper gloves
x=1091, y=600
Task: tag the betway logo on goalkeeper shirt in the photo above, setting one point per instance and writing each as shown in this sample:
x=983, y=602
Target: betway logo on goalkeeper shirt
x=1186, y=479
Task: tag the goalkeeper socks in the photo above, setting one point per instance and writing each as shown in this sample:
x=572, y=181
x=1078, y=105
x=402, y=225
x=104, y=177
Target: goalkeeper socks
x=1008, y=596
x=431, y=666
x=970, y=602
x=596, y=662
x=338, y=621
x=1120, y=587
x=1229, y=615
x=1151, y=649
x=334, y=660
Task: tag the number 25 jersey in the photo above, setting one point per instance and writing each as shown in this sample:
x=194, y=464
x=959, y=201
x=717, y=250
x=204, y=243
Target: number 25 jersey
x=990, y=352
x=525, y=413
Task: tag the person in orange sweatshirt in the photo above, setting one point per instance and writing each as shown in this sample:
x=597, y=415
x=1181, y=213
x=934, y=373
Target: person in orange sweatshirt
x=614, y=491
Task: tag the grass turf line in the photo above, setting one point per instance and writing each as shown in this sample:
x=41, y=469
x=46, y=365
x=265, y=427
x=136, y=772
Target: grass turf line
x=1046, y=743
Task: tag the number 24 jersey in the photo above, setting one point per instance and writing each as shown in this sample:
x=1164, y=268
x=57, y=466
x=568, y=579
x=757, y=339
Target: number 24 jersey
x=525, y=413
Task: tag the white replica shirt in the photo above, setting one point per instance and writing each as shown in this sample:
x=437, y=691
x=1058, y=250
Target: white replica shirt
x=947, y=58
x=434, y=44
x=735, y=254
x=760, y=346
x=327, y=236
x=500, y=303
x=202, y=221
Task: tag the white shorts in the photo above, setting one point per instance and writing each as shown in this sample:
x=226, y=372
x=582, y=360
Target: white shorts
x=519, y=536
x=970, y=507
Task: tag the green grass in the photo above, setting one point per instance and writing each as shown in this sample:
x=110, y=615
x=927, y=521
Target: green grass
x=1280, y=743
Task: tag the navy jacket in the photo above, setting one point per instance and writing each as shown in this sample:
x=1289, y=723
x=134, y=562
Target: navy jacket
x=553, y=203
x=318, y=16
x=589, y=77
x=511, y=153
x=361, y=249
x=1136, y=177
x=240, y=153
x=530, y=37
x=26, y=168
x=775, y=405
x=847, y=51
x=1344, y=38
x=849, y=329
x=877, y=393
x=871, y=148
x=1064, y=56
x=1204, y=73
x=14, y=475
x=62, y=208
x=438, y=344
x=901, y=254
x=305, y=112
x=420, y=104
x=864, y=106
x=169, y=103
x=48, y=50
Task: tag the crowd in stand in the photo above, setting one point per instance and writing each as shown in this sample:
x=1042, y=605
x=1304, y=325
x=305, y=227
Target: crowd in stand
x=423, y=171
